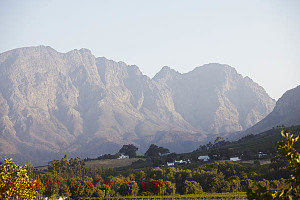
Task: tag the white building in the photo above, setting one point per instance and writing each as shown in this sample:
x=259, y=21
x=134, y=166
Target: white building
x=122, y=156
x=57, y=197
x=170, y=164
x=261, y=154
x=234, y=159
x=203, y=158
x=180, y=162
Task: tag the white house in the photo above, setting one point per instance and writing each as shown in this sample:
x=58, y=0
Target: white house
x=57, y=197
x=122, y=156
x=261, y=154
x=181, y=162
x=234, y=159
x=170, y=164
x=203, y=158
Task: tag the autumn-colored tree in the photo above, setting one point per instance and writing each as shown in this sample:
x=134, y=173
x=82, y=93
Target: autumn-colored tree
x=15, y=183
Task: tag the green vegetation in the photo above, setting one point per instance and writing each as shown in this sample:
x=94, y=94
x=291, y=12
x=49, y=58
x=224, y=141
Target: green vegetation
x=292, y=190
x=155, y=152
x=129, y=150
x=145, y=179
x=233, y=195
x=215, y=177
x=247, y=147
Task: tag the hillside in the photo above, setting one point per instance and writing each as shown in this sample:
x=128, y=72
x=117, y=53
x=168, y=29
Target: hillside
x=252, y=144
x=73, y=103
x=286, y=112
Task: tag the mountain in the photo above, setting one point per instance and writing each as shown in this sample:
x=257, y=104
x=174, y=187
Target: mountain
x=216, y=98
x=286, y=112
x=54, y=103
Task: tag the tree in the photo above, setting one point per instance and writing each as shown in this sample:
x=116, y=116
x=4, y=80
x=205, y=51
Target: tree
x=202, y=148
x=192, y=187
x=154, y=151
x=129, y=188
x=289, y=151
x=209, y=145
x=171, y=157
x=15, y=183
x=219, y=154
x=219, y=139
x=129, y=150
x=51, y=183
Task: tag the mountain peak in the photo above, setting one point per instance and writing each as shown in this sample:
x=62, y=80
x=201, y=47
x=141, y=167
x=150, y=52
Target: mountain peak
x=86, y=51
x=82, y=51
x=165, y=74
x=215, y=67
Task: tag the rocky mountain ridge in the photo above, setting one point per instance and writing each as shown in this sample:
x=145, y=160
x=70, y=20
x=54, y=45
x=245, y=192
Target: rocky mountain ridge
x=286, y=112
x=53, y=103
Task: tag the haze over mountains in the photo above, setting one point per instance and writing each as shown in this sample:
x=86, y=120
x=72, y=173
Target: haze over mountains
x=54, y=103
x=286, y=112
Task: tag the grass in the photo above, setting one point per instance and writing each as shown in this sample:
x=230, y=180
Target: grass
x=111, y=163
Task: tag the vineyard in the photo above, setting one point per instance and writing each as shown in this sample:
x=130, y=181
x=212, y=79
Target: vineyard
x=205, y=196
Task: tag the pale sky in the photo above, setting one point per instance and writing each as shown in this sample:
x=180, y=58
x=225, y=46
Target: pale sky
x=261, y=39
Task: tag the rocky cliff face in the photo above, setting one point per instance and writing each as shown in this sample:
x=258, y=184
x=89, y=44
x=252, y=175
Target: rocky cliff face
x=286, y=112
x=216, y=98
x=53, y=103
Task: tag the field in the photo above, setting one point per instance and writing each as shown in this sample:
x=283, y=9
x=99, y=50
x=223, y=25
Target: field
x=111, y=163
x=205, y=196
x=261, y=162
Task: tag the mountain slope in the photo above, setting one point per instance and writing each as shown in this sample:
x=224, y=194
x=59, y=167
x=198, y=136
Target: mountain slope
x=286, y=112
x=216, y=98
x=54, y=103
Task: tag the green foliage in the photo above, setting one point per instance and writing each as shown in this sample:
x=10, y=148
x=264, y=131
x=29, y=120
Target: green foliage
x=220, y=154
x=235, y=196
x=249, y=146
x=192, y=187
x=154, y=151
x=71, y=178
x=72, y=167
x=287, y=149
x=219, y=139
x=129, y=150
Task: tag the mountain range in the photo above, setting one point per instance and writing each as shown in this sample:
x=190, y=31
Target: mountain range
x=74, y=103
x=285, y=114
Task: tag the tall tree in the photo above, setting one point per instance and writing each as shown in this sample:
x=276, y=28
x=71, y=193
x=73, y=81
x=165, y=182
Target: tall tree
x=129, y=150
x=155, y=151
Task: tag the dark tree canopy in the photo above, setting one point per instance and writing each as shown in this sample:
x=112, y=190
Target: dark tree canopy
x=155, y=151
x=129, y=150
x=219, y=139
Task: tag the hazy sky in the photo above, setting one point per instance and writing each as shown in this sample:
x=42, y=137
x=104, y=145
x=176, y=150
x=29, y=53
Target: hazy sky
x=261, y=39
